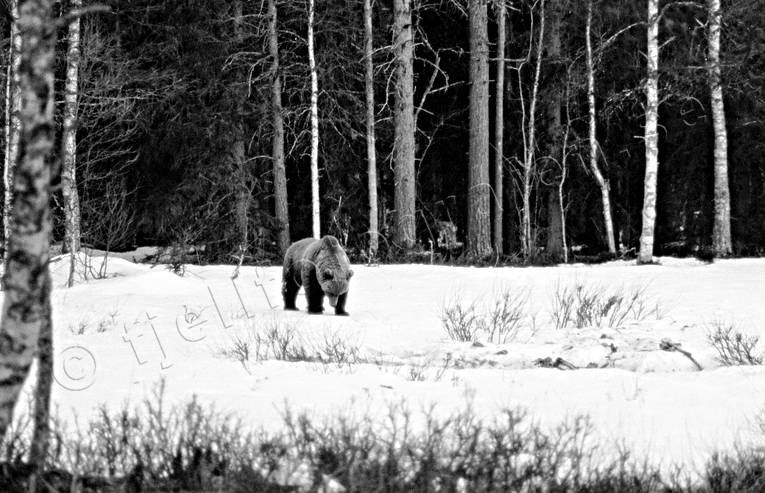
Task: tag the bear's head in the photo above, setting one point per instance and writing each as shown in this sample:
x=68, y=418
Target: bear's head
x=333, y=269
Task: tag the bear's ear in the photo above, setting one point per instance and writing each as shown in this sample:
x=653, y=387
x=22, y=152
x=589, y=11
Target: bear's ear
x=329, y=242
x=350, y=273
x=327, y=275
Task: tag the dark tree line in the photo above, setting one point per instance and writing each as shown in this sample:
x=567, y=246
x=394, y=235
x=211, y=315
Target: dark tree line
x=194, y=128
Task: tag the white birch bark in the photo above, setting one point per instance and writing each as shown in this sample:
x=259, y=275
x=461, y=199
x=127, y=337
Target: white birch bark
x=315, y=212
x=651, y=135
x=369, y=82
x=529, y=155
x=602, y=181
x=69, y=137
x=12, y=122
x=26, y=279
x=721, y=235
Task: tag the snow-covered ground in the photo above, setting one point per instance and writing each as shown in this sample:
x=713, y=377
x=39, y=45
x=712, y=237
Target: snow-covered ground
x=115, y=338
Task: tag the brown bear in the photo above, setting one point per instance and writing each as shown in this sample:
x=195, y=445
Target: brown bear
x=322, y=268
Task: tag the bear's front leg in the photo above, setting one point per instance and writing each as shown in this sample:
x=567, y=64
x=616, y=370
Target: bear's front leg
x=340, y=306
x=313, y=294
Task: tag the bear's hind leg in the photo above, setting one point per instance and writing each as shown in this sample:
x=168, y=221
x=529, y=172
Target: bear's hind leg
x=340, y=306
x=290, y=289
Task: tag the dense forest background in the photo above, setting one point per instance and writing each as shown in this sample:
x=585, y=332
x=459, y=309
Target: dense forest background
x=175, y=124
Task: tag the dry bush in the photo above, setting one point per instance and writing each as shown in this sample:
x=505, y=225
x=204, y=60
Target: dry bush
x=498, y=321
x=189, y=447
x=582, y=305
x=733, y=347
x=460, y=321
x=276, y=339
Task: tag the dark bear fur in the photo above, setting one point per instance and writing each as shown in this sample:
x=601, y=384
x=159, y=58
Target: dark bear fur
x=322, y=268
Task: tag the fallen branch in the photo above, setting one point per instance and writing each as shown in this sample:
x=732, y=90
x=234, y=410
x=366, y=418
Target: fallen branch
x=667, y=345
x=558, y=363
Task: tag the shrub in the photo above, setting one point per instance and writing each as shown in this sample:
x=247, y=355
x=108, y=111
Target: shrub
x=499, y=320
x=505, y=315
x=275, y=339
x=460, y=321
x=581, y=305
x=733, y=347
x=156, y=447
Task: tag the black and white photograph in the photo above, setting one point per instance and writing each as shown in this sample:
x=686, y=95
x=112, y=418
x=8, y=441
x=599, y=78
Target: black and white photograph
x=362, y=246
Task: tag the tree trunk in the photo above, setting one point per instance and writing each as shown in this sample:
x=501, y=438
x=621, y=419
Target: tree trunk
x=315, y=212
x=554, y=105
x=12, y=122
x=239, y=151
x=530, y=144
x=242, y=190
x=499, y=129
x=554, y=248
x=603, y=183
x=281, y=210
x=26, y=279
x=721, y=237
x=69, y=138
x=479, y=200
x=403, y=121
x=651, y=136
x=369, y=84
x=38, y=450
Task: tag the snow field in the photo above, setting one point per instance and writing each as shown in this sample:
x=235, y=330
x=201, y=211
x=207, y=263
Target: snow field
x=115, y=338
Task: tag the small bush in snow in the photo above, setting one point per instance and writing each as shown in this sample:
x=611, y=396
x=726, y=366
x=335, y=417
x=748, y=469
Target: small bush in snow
x=420, y=372
x=281, y=341
x=239, y=349
x=498, y=321
x=460, y=321
x=581, y=305
x=505, y=315
x=276, y=339
x=743, y=472
x=733, y=347
x=334, y=349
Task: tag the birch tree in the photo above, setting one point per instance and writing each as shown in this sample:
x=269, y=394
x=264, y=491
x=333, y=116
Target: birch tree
x=645, y=255
x=26, y=305
x=600, y=178
x=479, y=203
x=315, y=212
x=369, y=87
x=529, y=167
x=12, y=120
x=69, y=138
x=281, y=210
x=403, y=122
x=38, y=449
x=721, y=236
x=499, y=128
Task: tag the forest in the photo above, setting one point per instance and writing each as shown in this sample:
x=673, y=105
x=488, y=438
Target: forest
x=516, y=130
